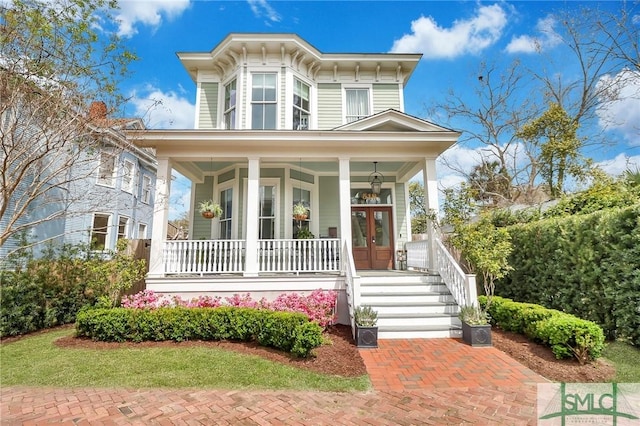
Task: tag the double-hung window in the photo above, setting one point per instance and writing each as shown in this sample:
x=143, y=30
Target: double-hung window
x=267, y=213
x=226, y=202
x=128, y=175
x=107, y=169
x=357, y=104
x=302, y=196
x=230, y=105
x=99, y=231
x=263, y=101
x=123, y=227
x=301, y=106
x=146, y=189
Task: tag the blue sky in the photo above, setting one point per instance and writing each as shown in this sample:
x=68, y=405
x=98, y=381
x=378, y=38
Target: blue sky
x=455, y=37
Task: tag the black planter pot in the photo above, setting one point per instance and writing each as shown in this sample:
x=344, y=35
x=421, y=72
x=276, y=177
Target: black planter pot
x=476, y=335
x=367, y=337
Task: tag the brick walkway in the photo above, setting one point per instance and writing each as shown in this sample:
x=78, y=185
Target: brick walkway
x=417, y=382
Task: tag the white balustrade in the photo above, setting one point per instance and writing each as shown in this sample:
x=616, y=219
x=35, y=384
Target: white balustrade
x=352, y=286
x=290, y=255
x=461, y=285
x=203, y=256
x=418, y=254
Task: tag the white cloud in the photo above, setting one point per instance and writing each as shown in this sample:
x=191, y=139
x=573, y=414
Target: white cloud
x=622, y=114
x=619, y=164
x=145, y=12
x=161, y=110
x=261, y=8
x=464, y=36
x=547, y=38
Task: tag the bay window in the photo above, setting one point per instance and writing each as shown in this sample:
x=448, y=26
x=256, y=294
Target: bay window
x=263, y=101
x=300, y=105
x=230, y=105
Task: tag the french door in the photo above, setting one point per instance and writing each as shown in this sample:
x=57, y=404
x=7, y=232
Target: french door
x=372, y=237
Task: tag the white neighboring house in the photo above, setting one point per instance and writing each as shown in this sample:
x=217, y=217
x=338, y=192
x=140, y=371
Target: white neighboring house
x=113, y=192
x=280, y=123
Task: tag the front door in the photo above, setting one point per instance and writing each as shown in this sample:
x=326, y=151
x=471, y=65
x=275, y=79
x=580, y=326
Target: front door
x=372, y=237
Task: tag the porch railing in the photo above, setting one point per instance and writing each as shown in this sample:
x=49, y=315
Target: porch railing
x=462, y=286
x=352, y=286
x=314, y=255
x=203, y=256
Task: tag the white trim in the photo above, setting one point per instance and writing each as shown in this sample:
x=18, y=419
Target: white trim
x=348, y=86
x=235, y=205
x=108, y=234
x=132, y=176
x=249, y=102
x=114, y=170
x=196, y=124
x=146, y=231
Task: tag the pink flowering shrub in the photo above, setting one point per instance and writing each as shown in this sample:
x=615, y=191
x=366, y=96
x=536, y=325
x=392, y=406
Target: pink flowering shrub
x=319, y=306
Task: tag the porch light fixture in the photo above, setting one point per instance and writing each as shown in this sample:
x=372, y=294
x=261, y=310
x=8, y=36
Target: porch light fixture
x=376, y=179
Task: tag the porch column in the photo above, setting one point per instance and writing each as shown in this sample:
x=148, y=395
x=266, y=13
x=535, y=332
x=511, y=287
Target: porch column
x=160, y=217
x=431, y=204
x=345, y=202
x=251, y=225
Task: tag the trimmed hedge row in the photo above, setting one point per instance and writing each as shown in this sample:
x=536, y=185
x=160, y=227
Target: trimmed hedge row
x=587, y=265
x=566, y=334
x=288, y=331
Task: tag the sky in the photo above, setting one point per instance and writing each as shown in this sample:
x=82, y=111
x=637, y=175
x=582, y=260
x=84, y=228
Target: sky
x=455, y=37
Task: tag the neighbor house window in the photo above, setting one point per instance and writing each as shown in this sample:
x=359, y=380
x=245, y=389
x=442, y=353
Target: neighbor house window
x=357, y=104
x=123, y=227
x=128, y=174
x=263, y=101
x=146, y=189
x=107, y=169
x=230, y=105
x=300, y=105
x=99, y=231
x=267, y=213
x=142, y=231
x=226, y=202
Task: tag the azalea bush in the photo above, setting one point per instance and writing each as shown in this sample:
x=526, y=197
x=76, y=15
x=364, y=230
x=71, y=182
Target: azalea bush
x=319, y=306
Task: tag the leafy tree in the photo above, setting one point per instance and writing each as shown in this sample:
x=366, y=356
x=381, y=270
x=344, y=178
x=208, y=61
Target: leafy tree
x=490, y=183
x=53, y=64
x=419, y=216
x=553, y=135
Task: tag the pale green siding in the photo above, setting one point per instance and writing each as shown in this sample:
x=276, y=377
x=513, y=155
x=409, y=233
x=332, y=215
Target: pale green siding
x=329, y=204
x=329, y=106
x=202, y=226
x=402, y=228
x=208, y=118
x=385, y=96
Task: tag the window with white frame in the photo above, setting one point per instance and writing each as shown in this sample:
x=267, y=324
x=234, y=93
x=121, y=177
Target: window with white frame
x=357, y=104
x=146, y=189
x=107, y=169
x=301, y=105
x=263, y=101
x=128, y=175
x=230, y=105
x=302, y=196
x=226, y=202
x=99, y=231
x=142, y=231
x=123, y=227
x=267, y=212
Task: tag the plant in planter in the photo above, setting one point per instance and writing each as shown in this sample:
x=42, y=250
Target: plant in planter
x=304, y=234
x=476, y=329
x=209, y=209
x=366, y=329
x=300, y=212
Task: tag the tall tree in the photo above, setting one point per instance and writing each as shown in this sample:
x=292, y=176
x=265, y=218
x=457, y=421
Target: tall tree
x=53, y=63
x=554, y=137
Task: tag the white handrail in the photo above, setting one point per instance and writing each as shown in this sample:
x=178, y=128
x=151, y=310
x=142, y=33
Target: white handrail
x=203, y=256
x=461, y=285
x=352, y=286
x=292, y=255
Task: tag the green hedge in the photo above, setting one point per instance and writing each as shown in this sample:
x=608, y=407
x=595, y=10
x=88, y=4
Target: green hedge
x=587, y=265
x=566, y=334
x=288, y=331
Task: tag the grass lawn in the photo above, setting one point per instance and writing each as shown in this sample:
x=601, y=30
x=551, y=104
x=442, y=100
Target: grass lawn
x=626, y=358
x=36, y=361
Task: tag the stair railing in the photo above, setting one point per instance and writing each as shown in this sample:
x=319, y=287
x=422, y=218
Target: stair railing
x=461, y=285
x=352, y=285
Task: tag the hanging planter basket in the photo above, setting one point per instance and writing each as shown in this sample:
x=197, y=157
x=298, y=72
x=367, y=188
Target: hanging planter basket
x=208, y=215
x=300, y=216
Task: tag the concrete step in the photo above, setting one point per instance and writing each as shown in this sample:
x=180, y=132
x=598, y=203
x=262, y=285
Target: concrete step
x=417, y=319
x=402, y=279
x=403, y=288
x=423, y=332
x=415, y=307
x=368, y=298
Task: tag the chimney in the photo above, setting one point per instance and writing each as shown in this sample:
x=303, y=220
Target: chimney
x=98, y=110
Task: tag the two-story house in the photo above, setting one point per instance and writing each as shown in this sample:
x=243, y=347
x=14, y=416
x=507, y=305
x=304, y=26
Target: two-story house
x=280, y=123
x=106, y=194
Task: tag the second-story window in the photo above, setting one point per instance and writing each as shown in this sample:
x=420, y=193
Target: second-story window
x=357, y=103
x=230, y=105
x=146, y=189
x=128, y=174
x=300, y=105
x=263, y=101
x=107, y=169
